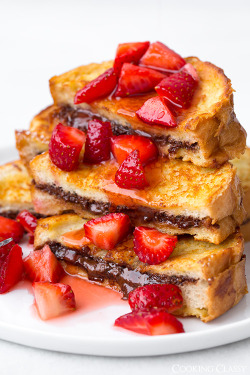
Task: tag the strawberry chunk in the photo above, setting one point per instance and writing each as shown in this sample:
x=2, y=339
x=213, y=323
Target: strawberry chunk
x=28, y=221
x=98, y=144
x=167, y=296
x=100, y=87
x=152, y=246
x=160, y=57
x=65, y=146
x=179, y=88
x=10, y=229
x=130, y=174
x=154, y=111
x=129, y=53
x=137, y=80
x=53, y=300
x=75, y=238
x=42, y=265
x=11, y=265
x=123, y=145
x=106, y=231
x=150, y=322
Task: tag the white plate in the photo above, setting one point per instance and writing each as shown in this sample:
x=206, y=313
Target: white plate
x=92, y=332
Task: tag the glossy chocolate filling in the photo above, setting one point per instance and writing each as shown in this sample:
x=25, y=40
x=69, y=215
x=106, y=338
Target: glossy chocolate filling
x=99, y=270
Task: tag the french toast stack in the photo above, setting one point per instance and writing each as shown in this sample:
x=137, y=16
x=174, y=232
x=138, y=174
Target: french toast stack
x=169, y=176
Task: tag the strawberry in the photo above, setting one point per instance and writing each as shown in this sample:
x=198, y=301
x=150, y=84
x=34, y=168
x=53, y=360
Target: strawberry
x=105, y=232
x=130, y=174
x=5, y=247
x=150, y=322
x=123, y=145
x=160, y=57
x=137, y=80
x=75, y=238
x=179, y=88
x=167, y=296
x=11, y=266
x=53, y=300
x=28, y=221
x=100, y=87
x=98, y=145
x=42, y=265
x=129, y=53
x=65, y=146
x=152, y=246
x=10, y=229
x=154, y=111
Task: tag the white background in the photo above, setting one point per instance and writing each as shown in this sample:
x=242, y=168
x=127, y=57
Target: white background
x=39, y=39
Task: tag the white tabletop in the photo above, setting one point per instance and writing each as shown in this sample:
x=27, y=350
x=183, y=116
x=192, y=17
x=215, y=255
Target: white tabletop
x=41, y=39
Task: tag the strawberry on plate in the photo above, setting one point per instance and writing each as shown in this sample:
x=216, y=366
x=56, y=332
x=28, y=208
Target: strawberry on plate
x=150, y=322
x=10, y=229
x=98, y=144
x=160, y=57
x=154, y=111
x=124, y=144
x=105, y=232
x=100, y=87
x=65, y=147
x=137, y=80
x=53, y=300
x=75, y=238
x=129, y=53
x=167, y=296
x=130, y=174
x=11, y=265
x=42, y=265
x=152, y=246
x=28, y=221
x=5, y=247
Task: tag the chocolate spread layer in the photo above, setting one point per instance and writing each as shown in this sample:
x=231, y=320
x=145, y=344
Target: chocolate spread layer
x=99, y=270
x=13, y=214
x=79, y=118
x=146, y=214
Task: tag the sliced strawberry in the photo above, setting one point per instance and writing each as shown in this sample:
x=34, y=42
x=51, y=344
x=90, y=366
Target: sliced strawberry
x=28, y=221
x=154, y=111
x=152, y=246
x=190, y=69
x=53, y=300
x=100, y=87
x=11, y=266
x=42, y=265
x=160, y=57
x=10, y=229
x=65, y=146
x=137, y=80
x=98, y=144
x=106, y=231
x=129, y=53
x=5, y=247
x=150, y=322
x=130, y=174
x=123, y=145
x=75, y=238
x=167, y=296
x=179, y=88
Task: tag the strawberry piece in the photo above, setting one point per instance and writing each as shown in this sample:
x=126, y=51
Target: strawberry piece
x=150, y=322
x=65, y=146
x=130, y=174
x=75, y=238
x=167, y=296
x=137, y=80
x=10, y=229
x=42, y=265
x=154, y=111
x=53, y=300
x=129, y=53
x=98, y=145
x=160, y=57
x=152, y=246
x=190, y=69
x=5, y=247
x=100, y=87
x=28, y=221
x=105, y=232
x=11, y=266
x=123, y=145
x=179, y=88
